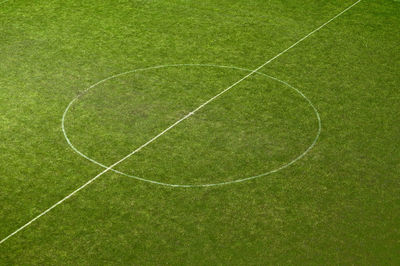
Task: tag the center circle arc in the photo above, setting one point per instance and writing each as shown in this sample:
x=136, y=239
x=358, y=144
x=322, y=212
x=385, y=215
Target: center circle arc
x=301, y=155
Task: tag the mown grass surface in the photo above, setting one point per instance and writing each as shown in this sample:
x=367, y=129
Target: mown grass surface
x=338, y=205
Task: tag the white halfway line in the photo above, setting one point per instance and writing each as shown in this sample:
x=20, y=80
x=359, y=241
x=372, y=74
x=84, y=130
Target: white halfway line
x=177, y=122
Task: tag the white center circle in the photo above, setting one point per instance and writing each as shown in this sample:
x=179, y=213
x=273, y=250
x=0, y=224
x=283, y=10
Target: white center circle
x=301, y=155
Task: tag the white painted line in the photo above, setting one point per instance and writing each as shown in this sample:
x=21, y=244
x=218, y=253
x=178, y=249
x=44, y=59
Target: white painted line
x=176, y=123
x=196, y=185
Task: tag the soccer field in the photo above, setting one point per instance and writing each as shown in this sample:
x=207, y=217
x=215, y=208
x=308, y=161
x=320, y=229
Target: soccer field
x=183, y=132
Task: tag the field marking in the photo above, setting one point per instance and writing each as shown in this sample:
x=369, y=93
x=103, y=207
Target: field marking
x=176, y=123
x=197, y=185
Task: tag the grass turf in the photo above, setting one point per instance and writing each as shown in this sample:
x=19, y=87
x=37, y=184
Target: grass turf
x=338, y=205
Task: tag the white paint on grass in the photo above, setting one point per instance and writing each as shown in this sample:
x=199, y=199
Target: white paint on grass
x=176, y=123
x=189, y=114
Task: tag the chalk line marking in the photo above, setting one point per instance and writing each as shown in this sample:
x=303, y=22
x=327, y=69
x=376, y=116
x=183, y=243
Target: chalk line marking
x=177, y=122
x=197, y=185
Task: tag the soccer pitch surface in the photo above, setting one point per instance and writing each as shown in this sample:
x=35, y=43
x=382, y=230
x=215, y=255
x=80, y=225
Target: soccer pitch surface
x=199, y=132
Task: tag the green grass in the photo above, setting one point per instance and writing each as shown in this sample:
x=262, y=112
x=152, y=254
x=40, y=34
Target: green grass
x=340, y=204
